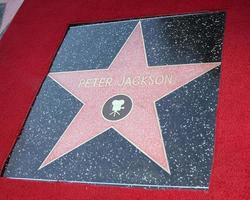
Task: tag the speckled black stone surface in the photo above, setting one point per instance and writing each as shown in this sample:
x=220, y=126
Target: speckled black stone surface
x=187, y=116
x=2, y=8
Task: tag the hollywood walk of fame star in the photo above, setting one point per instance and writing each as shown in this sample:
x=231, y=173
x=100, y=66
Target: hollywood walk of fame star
x=128, y=75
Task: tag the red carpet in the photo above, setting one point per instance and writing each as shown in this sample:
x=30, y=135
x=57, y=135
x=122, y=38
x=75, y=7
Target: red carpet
x=27, y=50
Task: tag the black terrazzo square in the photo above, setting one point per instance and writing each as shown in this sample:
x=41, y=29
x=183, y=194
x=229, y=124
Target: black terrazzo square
x=2, y=8
x=186, y=115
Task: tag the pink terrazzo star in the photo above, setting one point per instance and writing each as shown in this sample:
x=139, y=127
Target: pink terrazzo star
x=130, y=75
